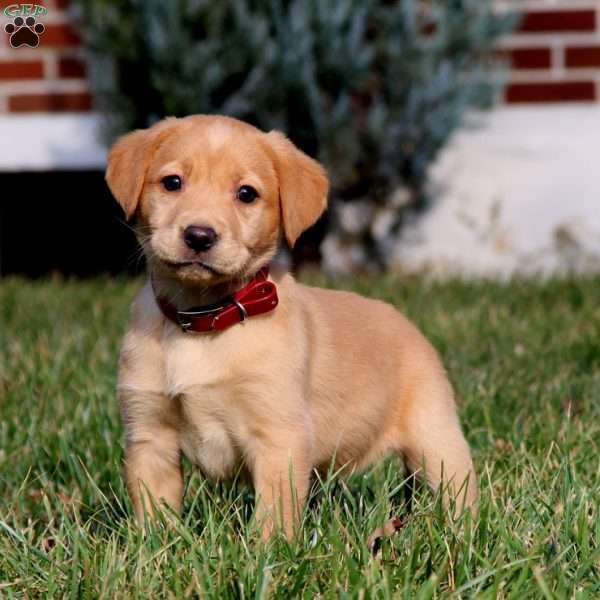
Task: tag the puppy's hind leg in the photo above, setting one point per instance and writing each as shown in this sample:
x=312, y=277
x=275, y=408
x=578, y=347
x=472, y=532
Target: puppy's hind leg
x=435, y=448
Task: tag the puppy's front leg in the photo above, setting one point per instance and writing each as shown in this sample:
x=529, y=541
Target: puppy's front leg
x=153, y=469
x=281, y=475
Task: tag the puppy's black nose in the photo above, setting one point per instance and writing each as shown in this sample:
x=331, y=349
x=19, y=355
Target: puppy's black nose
x=199, y=238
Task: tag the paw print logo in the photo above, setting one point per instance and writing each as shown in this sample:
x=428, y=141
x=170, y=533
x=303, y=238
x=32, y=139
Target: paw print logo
x=24, y=32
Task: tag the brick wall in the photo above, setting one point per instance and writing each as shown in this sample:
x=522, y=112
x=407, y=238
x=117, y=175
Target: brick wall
x=554, y=57
x=49, y=78
x=555, y=54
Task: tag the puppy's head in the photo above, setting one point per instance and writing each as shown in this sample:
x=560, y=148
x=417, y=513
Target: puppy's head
x=212, y=195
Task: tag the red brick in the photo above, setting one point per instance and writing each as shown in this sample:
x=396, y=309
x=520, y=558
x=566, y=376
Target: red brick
x=49, y=102
x=558, y=20
x=529, y=58
x=429, y=28
x=59, y=35
x=582, y=56
x=559, y=91
x=71, y=68
x=24, y=69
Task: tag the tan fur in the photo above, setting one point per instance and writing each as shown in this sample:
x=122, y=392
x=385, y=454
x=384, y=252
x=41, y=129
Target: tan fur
x=327, y=376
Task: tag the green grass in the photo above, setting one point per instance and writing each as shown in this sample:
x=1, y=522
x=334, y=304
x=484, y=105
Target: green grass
x=524, y=358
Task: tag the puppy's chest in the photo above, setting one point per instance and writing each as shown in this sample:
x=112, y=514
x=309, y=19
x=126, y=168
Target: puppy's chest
x=209, y=438
x=212, y=424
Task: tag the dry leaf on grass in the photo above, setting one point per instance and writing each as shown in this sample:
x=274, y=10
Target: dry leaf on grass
x=39, y=494
x=66, y=499
x=571, y=406
x=389, y=528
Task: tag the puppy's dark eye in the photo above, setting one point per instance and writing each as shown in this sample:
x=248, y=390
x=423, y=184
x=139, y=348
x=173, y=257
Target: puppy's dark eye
x=247, y=194
x=171, y=183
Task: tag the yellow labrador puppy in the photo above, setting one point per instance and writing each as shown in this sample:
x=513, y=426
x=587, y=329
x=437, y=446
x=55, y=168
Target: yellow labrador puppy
x=235, y=366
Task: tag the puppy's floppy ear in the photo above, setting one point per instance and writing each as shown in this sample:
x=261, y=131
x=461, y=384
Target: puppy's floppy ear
x=303, y=186
x=127, y=164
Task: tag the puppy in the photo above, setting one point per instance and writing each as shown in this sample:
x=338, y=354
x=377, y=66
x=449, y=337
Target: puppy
x=238, y=367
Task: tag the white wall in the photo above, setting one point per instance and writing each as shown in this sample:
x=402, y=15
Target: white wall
x=518, y=194
x=42, y=142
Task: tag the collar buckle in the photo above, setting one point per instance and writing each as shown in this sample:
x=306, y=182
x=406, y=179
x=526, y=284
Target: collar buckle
x=241, y=308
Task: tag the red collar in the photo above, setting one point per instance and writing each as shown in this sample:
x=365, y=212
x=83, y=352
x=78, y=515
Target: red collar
x=257, y=297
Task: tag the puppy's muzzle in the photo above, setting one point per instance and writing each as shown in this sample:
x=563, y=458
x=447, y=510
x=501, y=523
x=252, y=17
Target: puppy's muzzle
x=199, y=238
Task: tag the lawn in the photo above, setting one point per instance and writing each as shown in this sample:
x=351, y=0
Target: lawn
x=525, y=361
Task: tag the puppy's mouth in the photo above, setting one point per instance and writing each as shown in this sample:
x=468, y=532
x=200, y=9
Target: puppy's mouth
x=200, y=264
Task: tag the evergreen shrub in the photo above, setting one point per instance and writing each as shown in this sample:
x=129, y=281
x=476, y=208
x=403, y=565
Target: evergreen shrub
x=372, y=88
